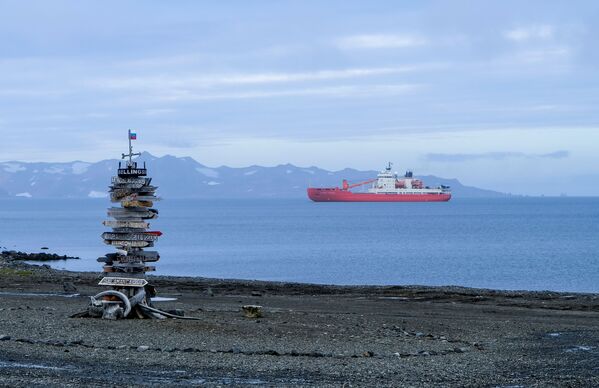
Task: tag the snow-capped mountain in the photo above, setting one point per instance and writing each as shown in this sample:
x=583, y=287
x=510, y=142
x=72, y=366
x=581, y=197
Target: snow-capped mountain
x=183, y=177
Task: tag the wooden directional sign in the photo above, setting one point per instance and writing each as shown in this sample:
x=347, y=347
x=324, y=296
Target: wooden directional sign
x=148, y=236
x=128, y=269
x=133, y=215
x=126, y=224
x=124, y=282
x=137, y=257
x=117, y=194
x=119, y=180
x=136, y=203
x=129, y=210
x=132, y=244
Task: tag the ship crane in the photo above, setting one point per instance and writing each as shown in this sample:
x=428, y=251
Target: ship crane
x=347, y=186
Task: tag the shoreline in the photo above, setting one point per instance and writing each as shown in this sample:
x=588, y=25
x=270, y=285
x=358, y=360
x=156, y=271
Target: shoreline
x=46, y=276
x=310, y=335
x=89, y=277
x=30, y=260
x=476, y=290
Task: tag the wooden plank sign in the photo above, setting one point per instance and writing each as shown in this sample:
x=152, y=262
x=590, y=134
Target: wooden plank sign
x=130, y=236
x=134, y=215
x=119, y=180
x=137, y=203
x=126, y=224
x=125, y=282
x=115, y=268
x=131, y=244
x=137, y=257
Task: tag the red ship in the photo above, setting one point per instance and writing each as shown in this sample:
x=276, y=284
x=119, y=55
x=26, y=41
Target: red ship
x=386, y=187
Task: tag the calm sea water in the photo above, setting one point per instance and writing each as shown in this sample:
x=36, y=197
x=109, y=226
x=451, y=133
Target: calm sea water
x=517, y=243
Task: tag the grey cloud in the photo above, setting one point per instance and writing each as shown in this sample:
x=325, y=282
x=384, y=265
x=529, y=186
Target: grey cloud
x=556, y=155
x=436, y=157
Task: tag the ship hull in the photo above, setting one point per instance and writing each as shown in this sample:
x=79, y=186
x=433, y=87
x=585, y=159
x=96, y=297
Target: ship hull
x=338, y=195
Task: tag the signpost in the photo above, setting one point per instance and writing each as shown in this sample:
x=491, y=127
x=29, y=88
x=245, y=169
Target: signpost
x=129, y=295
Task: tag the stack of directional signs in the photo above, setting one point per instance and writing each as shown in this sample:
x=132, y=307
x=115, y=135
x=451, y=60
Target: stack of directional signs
x=125, y=269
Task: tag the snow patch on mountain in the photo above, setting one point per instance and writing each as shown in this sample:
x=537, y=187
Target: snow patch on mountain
x=24, y=195
x=54, y=170
x=80, y=167
x=13, y=167
x=207, y=172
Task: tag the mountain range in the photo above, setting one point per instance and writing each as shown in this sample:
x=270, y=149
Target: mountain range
x=183, y=177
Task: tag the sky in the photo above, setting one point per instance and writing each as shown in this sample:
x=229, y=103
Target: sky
x=499, y=94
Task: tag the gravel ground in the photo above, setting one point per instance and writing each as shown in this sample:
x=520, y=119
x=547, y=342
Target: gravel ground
x=309, y=335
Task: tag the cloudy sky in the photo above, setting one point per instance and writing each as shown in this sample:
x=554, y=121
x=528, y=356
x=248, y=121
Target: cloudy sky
x=499, y=94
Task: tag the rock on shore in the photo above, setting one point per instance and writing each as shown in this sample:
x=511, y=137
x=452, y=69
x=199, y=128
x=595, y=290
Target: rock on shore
x=10, y=256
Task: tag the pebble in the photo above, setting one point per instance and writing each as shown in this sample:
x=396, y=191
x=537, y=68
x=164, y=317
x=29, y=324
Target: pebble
x=142, y=348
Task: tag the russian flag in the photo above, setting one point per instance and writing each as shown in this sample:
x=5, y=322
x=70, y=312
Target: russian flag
x=132, y=135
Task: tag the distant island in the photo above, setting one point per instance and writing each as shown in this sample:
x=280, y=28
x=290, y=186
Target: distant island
x=184, y=177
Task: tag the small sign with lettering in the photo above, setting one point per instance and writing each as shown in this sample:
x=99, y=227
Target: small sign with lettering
x=132, y=171
x=125, y=282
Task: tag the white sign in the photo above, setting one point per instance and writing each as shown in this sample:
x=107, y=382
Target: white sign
x=132, y=236
x=126, y=224
x=119, y=180
x=133, y=244
x=127, y=282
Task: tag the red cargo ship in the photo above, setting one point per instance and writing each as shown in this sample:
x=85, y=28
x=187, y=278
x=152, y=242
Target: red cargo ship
x=386, y=187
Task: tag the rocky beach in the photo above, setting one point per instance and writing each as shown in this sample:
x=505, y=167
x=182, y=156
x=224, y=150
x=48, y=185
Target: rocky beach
x=308, y=335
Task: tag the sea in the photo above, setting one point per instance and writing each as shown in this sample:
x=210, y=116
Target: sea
x=501, y=243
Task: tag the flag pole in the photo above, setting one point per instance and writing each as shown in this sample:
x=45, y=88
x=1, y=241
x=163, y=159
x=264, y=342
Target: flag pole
x=130, y=149
x=131, y=154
